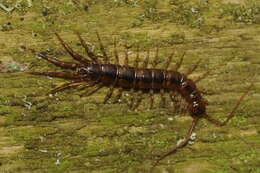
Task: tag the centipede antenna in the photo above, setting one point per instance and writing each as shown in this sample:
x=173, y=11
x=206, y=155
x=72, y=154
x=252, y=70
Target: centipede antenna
x=193, y=68
x=91, y=55
x=63, y=75
x=181, y=145
x=102, y=48
x=232, y=113
x=62, y=64
x=178, y=65
x=146, y=61
x=72, y=53
x=115, y=52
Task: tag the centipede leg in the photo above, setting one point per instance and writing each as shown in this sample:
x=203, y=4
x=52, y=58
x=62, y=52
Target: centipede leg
x=109, y=94
x=102, y=48
x=162, y=91
x=65, y=86
x=132, y=100
x=147, y=58
x=137, y=59
x=92, y=56
x=152, y=98
x=202, y=77
x=193, y=68
x=139, y=100
x=156, y=57
x=126, y=56
x=178, y=65
x=62, y=64
x=72, y=53
x=63, y=75
x=94, y=90
x=173, y=97
x=134, y=94
x=163, y=99
x=119, y=95
x=145, y=64
x=181, y=145
x=115, y=52
x=168, y=62
x=232, y=113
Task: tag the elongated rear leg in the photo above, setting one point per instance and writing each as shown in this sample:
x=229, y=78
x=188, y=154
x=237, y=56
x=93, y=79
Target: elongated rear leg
x=232, y=113
x=180, y=145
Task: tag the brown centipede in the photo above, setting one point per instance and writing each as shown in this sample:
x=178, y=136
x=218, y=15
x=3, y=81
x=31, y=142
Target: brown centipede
x=93, y=73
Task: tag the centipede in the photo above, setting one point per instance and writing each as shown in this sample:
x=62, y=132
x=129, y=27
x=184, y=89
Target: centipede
x=95, y=71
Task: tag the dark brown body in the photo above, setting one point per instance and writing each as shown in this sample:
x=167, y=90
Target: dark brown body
x=146, y=79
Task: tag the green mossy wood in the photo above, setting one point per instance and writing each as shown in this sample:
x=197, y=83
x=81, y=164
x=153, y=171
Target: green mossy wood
x=69, y=133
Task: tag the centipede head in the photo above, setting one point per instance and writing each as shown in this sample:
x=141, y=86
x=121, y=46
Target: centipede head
x=88, y=72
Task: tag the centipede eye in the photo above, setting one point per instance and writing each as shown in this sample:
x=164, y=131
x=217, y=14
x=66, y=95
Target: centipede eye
x=82, y=71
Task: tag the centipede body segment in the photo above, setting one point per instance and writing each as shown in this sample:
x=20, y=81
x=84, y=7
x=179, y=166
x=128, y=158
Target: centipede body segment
x=96, y=72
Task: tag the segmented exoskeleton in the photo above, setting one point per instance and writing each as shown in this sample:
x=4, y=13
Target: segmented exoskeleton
x=90, y=72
